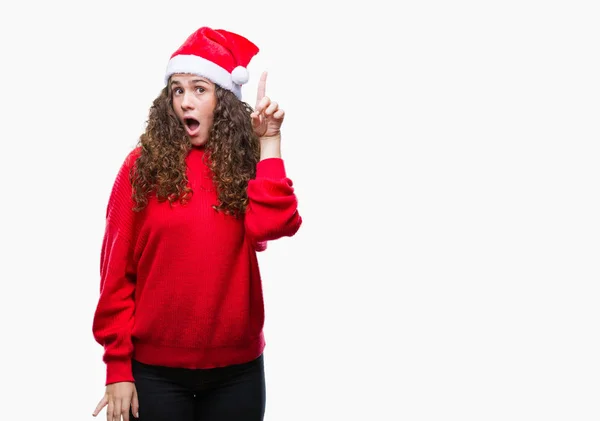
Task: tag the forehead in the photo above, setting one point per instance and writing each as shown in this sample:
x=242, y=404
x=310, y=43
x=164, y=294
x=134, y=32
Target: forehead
x=185, y=78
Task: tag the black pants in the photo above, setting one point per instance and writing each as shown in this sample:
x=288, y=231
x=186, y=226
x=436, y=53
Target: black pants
x=234, y=393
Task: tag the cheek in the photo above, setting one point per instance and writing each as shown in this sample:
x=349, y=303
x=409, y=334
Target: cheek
x=176, y=108
x=211, y=104
x=208, y=109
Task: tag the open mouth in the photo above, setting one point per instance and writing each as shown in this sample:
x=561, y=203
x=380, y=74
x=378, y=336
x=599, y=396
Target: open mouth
x=191, y=125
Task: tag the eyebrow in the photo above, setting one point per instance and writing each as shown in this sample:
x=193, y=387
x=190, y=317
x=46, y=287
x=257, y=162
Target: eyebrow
x=176, y=82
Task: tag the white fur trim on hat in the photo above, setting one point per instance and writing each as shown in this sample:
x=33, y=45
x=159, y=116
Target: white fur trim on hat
x=205, y=68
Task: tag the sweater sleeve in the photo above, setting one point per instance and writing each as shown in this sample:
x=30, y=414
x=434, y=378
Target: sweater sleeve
x=113, y=318
x=272, y=210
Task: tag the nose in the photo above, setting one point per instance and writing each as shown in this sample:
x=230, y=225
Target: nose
x=186, y=102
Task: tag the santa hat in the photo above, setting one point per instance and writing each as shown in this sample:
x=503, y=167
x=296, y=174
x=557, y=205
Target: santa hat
x=217, y=55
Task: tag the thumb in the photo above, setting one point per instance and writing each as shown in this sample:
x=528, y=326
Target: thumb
x=135, y=405
x=103, y=402
x=255, y=119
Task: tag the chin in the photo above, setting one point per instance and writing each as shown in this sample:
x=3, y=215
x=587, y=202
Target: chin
x=198, y=142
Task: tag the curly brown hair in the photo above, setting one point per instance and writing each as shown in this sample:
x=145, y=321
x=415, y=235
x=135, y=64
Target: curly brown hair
x=233, y=152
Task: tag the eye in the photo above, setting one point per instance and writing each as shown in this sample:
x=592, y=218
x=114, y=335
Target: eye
x=200, y=89
x=176, y=91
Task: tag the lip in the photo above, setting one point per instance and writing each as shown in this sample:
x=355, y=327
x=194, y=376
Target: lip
x=190, y=132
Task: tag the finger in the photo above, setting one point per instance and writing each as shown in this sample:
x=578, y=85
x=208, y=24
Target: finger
x=135, y=405
x=273, y=106
x=262, y=105
x=262, y=87
x=109, y=410
x=255, y=120
x=117, y=410
x=103, y=402
x=125, y=410
x=279, y=114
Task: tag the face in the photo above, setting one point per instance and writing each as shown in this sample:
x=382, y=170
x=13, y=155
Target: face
x=194, y=101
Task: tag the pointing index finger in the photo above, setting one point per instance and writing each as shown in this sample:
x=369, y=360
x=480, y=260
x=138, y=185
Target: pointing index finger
x=262, y=87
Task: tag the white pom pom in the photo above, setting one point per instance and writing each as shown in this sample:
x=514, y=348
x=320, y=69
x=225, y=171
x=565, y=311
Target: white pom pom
x=240, y=75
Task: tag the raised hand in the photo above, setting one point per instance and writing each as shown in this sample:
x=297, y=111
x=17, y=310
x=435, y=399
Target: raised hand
x=267, y=116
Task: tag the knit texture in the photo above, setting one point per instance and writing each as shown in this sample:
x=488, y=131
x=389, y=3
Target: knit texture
x=180, y=285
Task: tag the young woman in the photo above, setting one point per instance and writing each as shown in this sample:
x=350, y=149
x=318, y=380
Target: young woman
x=180, y=313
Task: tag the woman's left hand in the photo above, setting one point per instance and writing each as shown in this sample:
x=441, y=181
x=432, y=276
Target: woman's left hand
x=267, y=116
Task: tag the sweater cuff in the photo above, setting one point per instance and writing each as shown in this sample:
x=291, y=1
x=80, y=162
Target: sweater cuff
x=272, y=168
x=118, y=371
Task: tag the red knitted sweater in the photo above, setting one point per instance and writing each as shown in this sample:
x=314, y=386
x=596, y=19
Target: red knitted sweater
x=180, y=285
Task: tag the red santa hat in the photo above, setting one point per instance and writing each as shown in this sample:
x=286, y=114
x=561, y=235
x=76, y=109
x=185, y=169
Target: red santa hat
x=217, y=55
